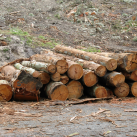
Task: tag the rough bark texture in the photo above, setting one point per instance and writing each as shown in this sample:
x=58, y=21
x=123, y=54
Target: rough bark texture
x=111, y=64
x=5, y=91
x=133, y=88
x=113, y=79
x=75, y=71
x=59, y=62
x=64, y=79
x=122, y=90
x=55, y=77
x=89, y=78
x=96, y=91
x=57, y=91
x=26, y=87
x=75, y=89
x=46, y=67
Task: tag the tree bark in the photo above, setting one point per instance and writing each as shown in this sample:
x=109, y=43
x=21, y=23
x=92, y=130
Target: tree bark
x=75, y=71
x=75, y=89
x=5, y=91
x=26, y=87
x=122, y=90
x=57, y=91
x=133, y=88
x=64, y=79
x=55, y=77
x=43, y=76
x=113, y=79
x=89, y=78
x=46, y=67
x=130, y=76
x=111, y=64
x=96, y=91
x=60, y=63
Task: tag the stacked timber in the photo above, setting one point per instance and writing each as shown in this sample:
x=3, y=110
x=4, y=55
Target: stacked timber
x=69, y=73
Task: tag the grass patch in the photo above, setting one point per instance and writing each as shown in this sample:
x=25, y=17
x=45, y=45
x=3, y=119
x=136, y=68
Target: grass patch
x=5, y=50
x=19, y=32
x=135, y=39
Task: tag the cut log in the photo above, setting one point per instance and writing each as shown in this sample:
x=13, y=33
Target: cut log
x=64, y=79
x=43, y=76
x=75, y=89
x=130, y=76
x=122, y=90
x=75, y=70
x=113, y=79
x=5, y=91
x=55, y=77
x=46, y=67
x=109, y=92
x=133, y=88
x=57, y=91
x=96, y=91
x=89, y=78
x=26, y=87
x=60, y=63
x=111, y=64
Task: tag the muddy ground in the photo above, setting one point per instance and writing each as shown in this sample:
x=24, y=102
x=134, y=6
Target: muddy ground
x=29, y=26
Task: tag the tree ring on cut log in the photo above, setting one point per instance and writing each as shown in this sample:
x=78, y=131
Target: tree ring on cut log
x=62, y=66
x=134, y=89
x=75, y=71
x=59, y=93
x=90, y=79
x=75, y=89
x=111, y=64
x=55, y=76
x=100, y=92
x=101, y=71
x=122, y=90
x=52, y=69
x=44, y=78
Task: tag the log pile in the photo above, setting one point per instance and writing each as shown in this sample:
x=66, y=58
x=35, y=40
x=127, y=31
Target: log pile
x=69, y=73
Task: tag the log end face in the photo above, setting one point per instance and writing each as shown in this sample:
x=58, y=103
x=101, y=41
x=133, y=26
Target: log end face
x=111, y=64
x=134, y=89
x=62, y=66
x=101, y=92
x=44, y=78
x=52, y=69
x=118, y=80
x=101, y=71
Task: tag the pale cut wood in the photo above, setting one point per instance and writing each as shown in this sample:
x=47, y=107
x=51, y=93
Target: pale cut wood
x=130, y=76
x=111, y=64
x=122, y=90
x=64, y=79
x=99, y=70
x=59, y=62
x=43, y=76
x=55, y=77
x=57, y=91
x=75, y=71
x=5, y=91
x=49, y=68
x=75, y=89
x=133, y=88
x=89, y=78
x=97, y=91
x=113, y=79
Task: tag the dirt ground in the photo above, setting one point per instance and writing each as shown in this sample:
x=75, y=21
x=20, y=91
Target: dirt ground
x=104, y=25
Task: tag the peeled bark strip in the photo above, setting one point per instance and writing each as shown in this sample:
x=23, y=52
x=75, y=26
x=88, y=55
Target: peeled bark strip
x=133, y=88
x=75, y=71
x=59, y=62
x=64, y=79
x=57, y=91
x=130, y=76
x=26, y=87
x=89, y=78
x=46, y=67
x=111, y=64
x=43, y=76
x=96, y=91
x=55, y=77
x=5, y=91
x=75, y=89
x=122, y=90
x=113, y=79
